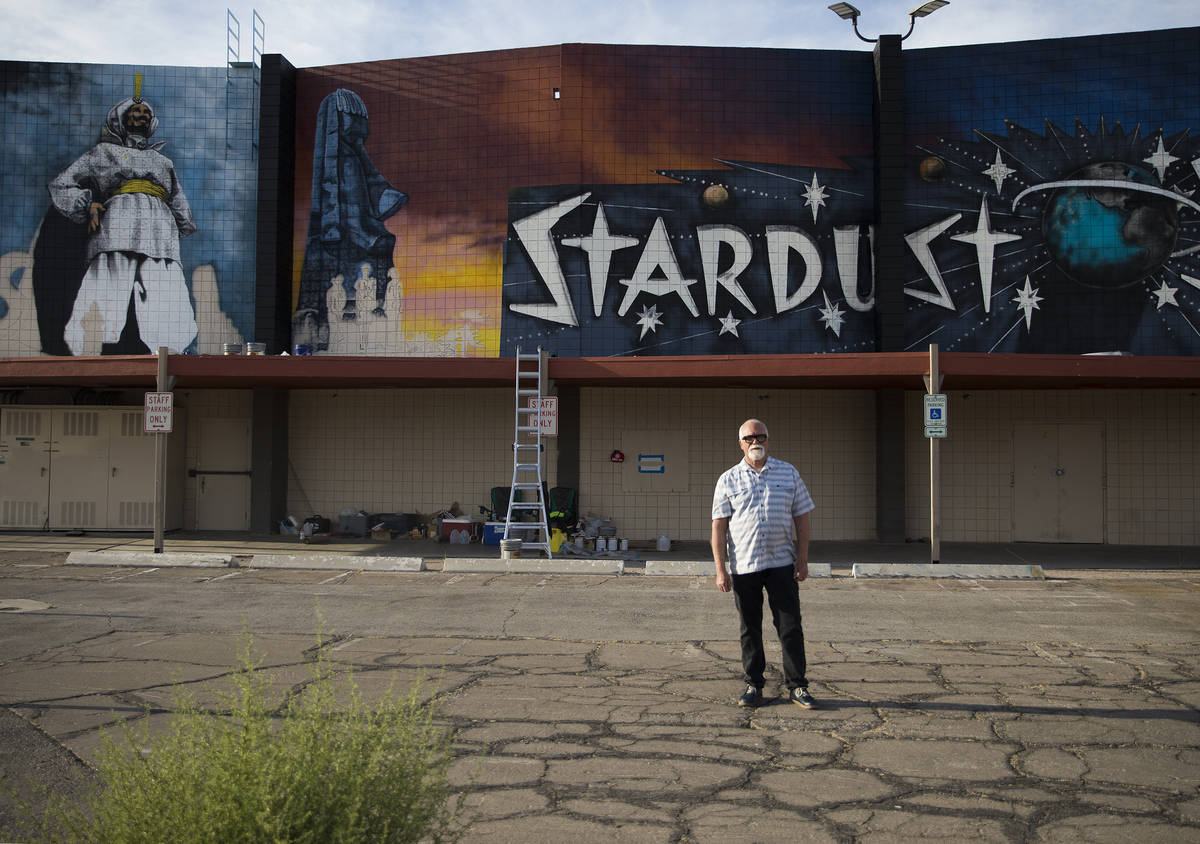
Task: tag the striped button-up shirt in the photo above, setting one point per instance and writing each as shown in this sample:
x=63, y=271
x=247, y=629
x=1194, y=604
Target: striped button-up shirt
x=761, y=507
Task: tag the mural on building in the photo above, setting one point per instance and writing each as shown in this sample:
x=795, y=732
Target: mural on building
x=349, y=274
x=597, y=199
x=752, y=258
x=754, y=238
x=91, y=256
x=1058, y=242
x=124, y=191
x=1051, y=196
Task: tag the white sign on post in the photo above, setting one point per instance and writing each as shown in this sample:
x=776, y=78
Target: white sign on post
x=547, y=414
x=935, y=415
x=159, y=413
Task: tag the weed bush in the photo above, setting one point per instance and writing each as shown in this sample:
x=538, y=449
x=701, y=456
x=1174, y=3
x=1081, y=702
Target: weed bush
x=315, y=769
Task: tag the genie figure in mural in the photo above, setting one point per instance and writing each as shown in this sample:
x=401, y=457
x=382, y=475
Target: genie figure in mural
x=128, y=195
x=347, y=238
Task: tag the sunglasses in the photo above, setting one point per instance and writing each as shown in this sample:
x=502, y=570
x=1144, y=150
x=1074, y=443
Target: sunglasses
x=754, y=438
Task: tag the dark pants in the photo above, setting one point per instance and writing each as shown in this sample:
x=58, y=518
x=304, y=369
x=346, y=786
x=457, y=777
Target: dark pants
x=784, y=596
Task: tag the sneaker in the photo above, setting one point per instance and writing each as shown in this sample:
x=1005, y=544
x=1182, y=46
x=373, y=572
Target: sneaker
x=802, y=698
x=752, y=697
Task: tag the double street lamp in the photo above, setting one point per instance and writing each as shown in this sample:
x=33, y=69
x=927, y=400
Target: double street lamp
x=847, y=12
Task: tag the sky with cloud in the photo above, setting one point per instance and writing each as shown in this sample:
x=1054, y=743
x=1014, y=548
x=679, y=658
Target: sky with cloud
x=319, y=32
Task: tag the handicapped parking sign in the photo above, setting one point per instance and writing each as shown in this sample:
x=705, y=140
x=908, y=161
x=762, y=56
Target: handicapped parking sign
x=935, y=415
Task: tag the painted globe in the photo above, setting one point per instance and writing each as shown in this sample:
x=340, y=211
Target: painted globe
x=1112, y=233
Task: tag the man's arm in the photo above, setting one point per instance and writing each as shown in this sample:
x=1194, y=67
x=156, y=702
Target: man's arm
x=71, y=192
x=801, y=565
x=720, y=549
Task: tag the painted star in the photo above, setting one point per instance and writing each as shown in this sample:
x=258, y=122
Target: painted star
x=1160, y=159
x=815, y=196
x=729, y=325
x=985, y=239
x=832, y=316
x=600, y=246
x=1166, y=295
x=1027, y=301
x=999, y=171
x=649, y=319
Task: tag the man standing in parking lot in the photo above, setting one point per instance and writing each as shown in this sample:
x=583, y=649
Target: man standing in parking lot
x=760, y=542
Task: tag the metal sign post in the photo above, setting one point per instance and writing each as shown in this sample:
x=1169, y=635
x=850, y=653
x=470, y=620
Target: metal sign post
x=160, y=461
x=935, y=431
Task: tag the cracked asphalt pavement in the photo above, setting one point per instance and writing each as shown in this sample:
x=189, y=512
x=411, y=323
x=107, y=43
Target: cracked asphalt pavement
x=590, y=708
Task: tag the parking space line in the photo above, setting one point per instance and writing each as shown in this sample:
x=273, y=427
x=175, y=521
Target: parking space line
x=133, y=574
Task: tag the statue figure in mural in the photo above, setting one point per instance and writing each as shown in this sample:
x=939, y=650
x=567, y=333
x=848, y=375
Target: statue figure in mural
x=347, y=239
x=127, y=194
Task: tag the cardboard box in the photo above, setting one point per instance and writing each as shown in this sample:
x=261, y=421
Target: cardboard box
x=355, y=525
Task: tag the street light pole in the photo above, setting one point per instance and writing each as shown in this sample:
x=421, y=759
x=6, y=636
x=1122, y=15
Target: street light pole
x=890, y=252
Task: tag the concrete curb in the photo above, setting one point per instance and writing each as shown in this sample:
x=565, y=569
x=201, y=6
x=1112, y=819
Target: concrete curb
x=148, y=559
x=533, y=565
x=954, y=570
x=336, y=561
x=705, y=567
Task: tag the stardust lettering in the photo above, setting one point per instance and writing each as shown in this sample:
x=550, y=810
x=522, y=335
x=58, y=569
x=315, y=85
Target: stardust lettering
x=790, y=252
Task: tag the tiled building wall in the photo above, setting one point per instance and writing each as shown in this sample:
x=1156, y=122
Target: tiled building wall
x=399, y=451
x=828, y=435
x=1151, y=464
x=53, y=115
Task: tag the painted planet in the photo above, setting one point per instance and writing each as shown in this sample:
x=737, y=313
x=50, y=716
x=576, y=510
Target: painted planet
x=716, y=197
x=933, y=169
x=1107, y=235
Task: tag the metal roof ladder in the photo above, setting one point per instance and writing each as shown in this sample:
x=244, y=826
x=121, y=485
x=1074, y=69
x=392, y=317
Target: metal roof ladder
x=527, y=457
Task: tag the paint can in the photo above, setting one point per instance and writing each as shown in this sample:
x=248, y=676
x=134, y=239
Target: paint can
x=510, y=549
x=302, y=349
x=256, y=348
x=601, y=543
x=231, y=348
x=624, y=544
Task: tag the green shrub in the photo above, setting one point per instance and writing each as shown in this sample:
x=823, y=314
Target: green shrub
x=315, y=769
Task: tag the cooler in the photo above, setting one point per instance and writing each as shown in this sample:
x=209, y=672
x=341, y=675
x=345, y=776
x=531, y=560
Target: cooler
x=493, y=532
x=451, y=525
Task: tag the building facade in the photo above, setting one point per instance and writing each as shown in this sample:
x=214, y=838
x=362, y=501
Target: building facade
x=694, y=236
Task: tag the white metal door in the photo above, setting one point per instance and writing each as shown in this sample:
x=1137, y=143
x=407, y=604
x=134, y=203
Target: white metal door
x=79, y=468
x=1058, y=482
x=130, y=472
x=24, y=467
x=1081, y=484
x=223, y=474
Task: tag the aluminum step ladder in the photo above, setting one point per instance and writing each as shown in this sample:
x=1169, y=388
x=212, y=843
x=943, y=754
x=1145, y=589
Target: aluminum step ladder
x=527, y=458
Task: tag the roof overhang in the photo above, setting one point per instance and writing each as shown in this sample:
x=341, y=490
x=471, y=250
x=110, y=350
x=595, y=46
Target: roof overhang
x=904, y=370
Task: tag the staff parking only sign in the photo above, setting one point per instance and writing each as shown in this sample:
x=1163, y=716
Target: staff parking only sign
x=160, y=413
x=547, y=407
